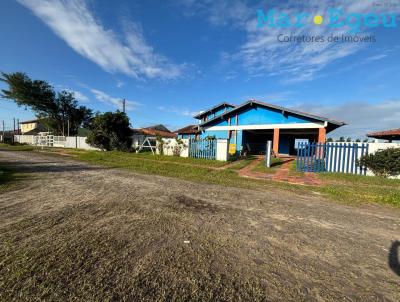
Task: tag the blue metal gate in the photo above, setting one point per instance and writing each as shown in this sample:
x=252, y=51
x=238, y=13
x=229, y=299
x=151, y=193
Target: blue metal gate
x=203, y=148
x=331, y=157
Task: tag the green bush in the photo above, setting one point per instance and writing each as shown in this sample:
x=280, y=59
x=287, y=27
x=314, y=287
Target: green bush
x=110, y=131
x=383, y=163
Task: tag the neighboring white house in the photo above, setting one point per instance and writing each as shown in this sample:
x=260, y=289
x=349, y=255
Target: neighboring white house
x=31, y=127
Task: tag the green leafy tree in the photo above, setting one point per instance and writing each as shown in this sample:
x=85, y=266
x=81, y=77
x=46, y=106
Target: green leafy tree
x=358, y=140
x=383, y=163
x=110, y=131
x=341, y=139
x=348, y=139
x=365, y=140
x=56, y=110
x=329, y=140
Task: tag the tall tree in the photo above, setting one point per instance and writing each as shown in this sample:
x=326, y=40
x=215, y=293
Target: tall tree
x=57, y=110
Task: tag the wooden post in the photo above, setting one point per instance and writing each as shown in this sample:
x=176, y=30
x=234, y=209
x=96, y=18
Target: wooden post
x=276, y=141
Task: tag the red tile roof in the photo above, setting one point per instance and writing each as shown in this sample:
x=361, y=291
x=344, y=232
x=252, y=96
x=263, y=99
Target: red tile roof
x=386, y=133
x=191, y=129
x=154, y=132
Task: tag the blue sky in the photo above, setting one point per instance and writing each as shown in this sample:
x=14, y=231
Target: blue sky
x=172, y=58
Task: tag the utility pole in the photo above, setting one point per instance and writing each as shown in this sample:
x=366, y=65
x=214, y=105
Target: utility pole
x=123, y=105
x=18, y=125
x=14, y=126
x=3, y=131
x=68, y=127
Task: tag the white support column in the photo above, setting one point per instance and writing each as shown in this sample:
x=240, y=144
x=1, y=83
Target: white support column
x=222, y=150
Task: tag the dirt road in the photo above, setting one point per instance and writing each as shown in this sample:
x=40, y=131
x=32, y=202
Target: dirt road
x=75, y=231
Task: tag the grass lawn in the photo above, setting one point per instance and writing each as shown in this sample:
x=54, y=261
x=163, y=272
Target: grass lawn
x=361, y=188
x=275, y=164
x=18, y=147
x=350, y=189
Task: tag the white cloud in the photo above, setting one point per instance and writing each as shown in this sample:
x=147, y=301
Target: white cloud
x=120, y=84
x=79, y=96
x=73, y=22
x=178, y=111
x=113, y=101
x=362, y=117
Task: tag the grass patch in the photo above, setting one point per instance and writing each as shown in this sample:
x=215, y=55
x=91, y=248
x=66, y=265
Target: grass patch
x=240, y=164
x=149, y=158
x=293, y=171
x=275, y=165
x=17, y=147
x=357, y=188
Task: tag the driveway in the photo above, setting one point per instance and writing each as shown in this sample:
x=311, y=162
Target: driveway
x=75, y=231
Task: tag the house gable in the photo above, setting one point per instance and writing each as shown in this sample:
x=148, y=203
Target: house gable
x=214, y=111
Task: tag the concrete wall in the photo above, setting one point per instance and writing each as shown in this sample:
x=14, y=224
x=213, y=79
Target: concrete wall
x=171, y=143
x=25, y=139
x=77, y=142
x=222, y=150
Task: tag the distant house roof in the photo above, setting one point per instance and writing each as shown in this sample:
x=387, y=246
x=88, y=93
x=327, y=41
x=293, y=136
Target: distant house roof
x=280, y=108
x=157, y=130
x=191, y=129
x=215, y=108
x=393, y=134
x=29, y=122
x=159, y=127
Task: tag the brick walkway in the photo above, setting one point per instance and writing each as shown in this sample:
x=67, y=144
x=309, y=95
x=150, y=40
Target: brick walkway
x=247, y=171
x=282, y=174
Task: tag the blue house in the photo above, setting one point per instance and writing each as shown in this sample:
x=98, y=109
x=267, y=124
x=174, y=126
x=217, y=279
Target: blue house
x=250, y=125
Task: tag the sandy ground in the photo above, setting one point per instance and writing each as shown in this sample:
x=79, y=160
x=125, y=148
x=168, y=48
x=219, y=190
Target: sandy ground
x=75, y=231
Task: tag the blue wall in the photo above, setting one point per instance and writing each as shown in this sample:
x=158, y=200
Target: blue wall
x=284, y=144
x=217, y=112
x=223, y=134
x=258, y=115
